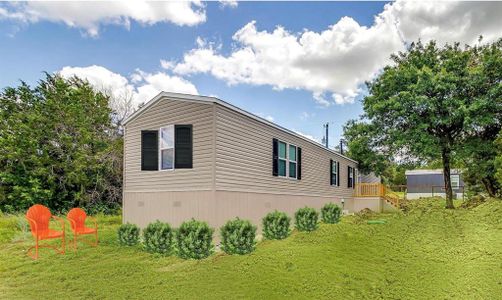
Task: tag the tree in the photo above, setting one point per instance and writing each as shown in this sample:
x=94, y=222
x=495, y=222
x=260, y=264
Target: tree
x=363, y=146
x=432, y=100
x=498, y=159
x=58, y=147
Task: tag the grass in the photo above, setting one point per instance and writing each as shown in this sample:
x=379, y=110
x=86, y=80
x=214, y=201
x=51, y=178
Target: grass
x=426, y=253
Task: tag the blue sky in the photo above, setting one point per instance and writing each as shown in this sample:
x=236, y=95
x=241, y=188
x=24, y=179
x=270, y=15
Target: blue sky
x=331, y=49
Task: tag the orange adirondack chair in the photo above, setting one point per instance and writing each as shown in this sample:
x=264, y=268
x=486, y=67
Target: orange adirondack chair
x=39, y=217
x=76, y=217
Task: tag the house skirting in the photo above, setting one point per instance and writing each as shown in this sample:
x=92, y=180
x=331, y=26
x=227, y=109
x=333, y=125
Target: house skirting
x=217, y=207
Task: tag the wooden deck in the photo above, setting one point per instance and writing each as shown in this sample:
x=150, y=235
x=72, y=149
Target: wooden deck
x=372, y=190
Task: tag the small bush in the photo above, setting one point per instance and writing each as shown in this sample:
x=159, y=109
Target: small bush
x=194, y=239
x=158, y=237
x=276, y=225
x=306, y=219
x=238, y=237
x=128, y=234
x=330, y=213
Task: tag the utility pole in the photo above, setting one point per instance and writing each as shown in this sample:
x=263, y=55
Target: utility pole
x=326, y=126
x=342, y=141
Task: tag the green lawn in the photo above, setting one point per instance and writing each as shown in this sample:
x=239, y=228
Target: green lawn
x=427, y=253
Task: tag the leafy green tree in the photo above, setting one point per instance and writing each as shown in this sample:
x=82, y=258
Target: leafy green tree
x=364, y=147
x=372, y=156
x=432, y=100
x=498, y=159
x=58, y=147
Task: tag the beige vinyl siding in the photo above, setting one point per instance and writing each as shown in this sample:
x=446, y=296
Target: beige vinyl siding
x=244, y=160
x=169, y=112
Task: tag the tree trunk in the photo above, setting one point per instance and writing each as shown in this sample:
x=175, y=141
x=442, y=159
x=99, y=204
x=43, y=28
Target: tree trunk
x=490, y=186
x=445, y=155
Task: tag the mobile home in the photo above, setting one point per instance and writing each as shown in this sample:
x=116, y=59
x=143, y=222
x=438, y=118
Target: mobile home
x=193, y=156
x=429, y=183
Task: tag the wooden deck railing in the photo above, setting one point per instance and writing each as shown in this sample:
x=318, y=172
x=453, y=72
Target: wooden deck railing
x=369, y=190
x=377, y=190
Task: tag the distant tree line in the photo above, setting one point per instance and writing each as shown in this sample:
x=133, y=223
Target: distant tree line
x=61, y=146
x=435, y=106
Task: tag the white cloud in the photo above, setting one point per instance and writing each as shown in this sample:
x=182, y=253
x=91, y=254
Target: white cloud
x=141, y=87
x=334, y=63
x=167, y=64
x=89, y=16
x=152, y=84
x=228, y=3
x=306, y=115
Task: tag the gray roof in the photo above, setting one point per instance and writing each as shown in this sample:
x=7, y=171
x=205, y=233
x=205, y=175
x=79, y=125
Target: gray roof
x=430, y=171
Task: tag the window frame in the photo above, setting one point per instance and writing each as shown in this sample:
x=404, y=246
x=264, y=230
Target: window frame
x=457, y=176
x=160, y=148
x=287, y=160
x=334, y=167
x=351, y=177
x=290, y=161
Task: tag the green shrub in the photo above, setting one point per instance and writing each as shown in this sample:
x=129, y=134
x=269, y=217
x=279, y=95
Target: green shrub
x=330, y=213
x=276, y=225
x=128, y=234
x=194, y=239
x=306, y=219
x=238, y=237
x=158, y=238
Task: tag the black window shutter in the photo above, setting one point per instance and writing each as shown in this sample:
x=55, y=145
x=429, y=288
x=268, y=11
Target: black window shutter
x=149, y=150
x=338, y=173
x=331, y=172
x=354, y=178
x=299, y=163
x=275, y=157
x=183, y=144
x=349, y=183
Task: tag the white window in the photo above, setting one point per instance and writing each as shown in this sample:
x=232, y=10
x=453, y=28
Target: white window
x=283, y=158
x=292, y=161
x=166, y=148
x=455, y=181
x=334, y=172
x=287, y=160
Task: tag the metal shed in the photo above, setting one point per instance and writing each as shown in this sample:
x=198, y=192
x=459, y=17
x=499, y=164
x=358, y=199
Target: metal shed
x=429, y=183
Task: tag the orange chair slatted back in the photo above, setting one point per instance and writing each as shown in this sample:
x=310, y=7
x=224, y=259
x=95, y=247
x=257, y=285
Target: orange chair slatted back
x=41, y=215
x=78, y=216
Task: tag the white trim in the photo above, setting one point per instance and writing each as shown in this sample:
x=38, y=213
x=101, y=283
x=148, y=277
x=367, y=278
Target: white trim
x=287, y=160
x=210, y=100
x=334, y=162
